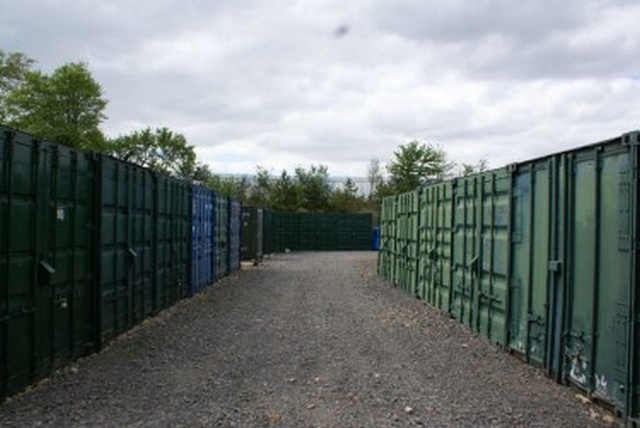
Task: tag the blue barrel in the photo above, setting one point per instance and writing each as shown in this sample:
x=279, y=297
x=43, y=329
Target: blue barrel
x=375, y=243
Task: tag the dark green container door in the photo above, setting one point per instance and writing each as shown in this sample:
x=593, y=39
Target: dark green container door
x=221, y=232
x=572, y=267
x=533, y=203
x=386, y=254
x=436, y=245
x=465, y=251
x=481, y=253
x=406, y=270
x=70, y=241
x=46, y=212
x=172, y=242
x=268, y=230
x=252, y=233
x=126, y=251
x=493, y=254
x=599, y=255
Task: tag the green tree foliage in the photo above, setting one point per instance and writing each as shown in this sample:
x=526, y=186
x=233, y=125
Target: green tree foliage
x=261, y=190
x=346, y=199
x=161, y=150
x=415, y=164
x=237, y=188
x=470, y=169
x=13, y=69
x=313, y=188
x=66, y=107
x=285, y=194
x=202, y=173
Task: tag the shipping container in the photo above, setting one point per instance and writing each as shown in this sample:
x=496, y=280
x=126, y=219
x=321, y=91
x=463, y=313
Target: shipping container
x=316, y=232
x=202, y=238
x=480, y=249
x=89, y=247
x=221, y=235
x=46, y=258
x=173, y=241
x=386, y=255
x=435, y=252
x=573, y=275
x=406, y=254
x=268, y=231
x=126, y=224
x=539, y=257
x=252, y=234
x=235, y=231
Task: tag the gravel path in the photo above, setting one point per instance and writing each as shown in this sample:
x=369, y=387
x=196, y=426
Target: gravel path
x=308, y=339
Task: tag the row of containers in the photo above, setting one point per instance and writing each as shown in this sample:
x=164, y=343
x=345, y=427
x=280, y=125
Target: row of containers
x=540, y=257
x=266, y=232
x=90, y=246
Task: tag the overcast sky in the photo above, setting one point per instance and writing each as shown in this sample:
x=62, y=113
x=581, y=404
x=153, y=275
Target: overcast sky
x=283, y=83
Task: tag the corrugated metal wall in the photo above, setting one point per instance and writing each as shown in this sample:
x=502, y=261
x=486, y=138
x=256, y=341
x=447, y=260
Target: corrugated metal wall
x=221, y=231
x=316, y=232
x=46, y=265
x=540, y=257
x=89, y=247
x=252, y=234
x=172, y=241
x=202, y=238
x=235, y=231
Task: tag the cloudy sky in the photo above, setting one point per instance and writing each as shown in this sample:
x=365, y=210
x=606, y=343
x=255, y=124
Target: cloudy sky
x=282, y=83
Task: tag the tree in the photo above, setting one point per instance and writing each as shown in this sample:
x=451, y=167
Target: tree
x=470, y=169
x=346, y=199
x=161, y=150
x=237, y=188
x=66, y=107
x=260, y=193
x=416, y=164
x=13, y=69
x=202, y=173
x=285, y=196
x=374, y=176
x=313, y=188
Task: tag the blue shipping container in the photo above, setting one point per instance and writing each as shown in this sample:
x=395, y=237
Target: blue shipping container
x=221, y=236
x=202, y=239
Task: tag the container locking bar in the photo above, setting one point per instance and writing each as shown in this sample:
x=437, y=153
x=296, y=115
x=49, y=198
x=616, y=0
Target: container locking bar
x=45, y=272
x=555, y=266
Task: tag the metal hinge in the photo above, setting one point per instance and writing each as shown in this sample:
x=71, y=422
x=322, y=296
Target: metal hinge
x=555, y=266
x=631, y=138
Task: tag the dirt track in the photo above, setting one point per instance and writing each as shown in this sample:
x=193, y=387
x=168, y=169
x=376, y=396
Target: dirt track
x=309, y=339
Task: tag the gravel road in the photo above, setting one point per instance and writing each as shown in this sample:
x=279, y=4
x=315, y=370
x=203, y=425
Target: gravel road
x=305, y=340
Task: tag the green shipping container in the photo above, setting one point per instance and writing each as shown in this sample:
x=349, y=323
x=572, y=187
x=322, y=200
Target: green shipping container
x=221, y=233
x=268, y=232
x=436, y=245
x=480, y=253
x=574, y=259
x=127, y=223
x=386, y=253
x=252, y=234
x=406, y=235
x=172, y=241
x=316, y=232
x=46, y=269
x=540, y=257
